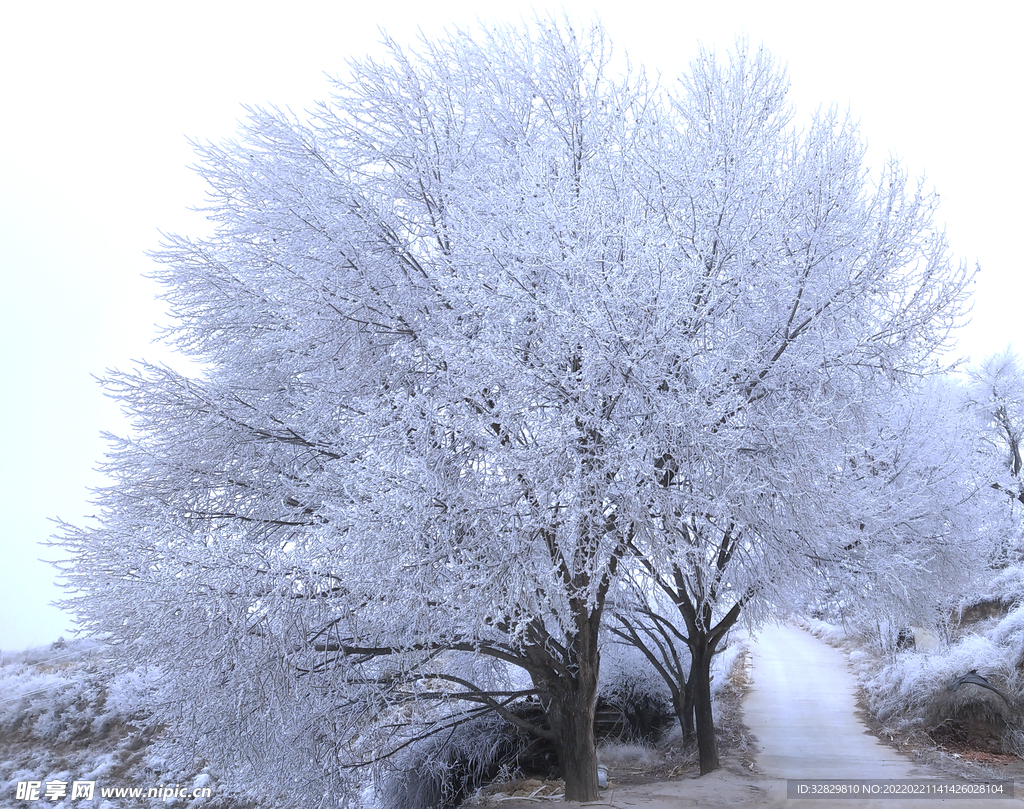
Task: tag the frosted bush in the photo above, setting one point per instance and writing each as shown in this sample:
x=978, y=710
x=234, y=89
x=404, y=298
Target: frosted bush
x=129, y=697
x=1008, y=630
x=630, y=684
x=832, y=634
x=67, y=711
x=1006, y=586
x=131, y=692
x=905, y=692
x=619, y=756
x=99, y=767
x=443, y=770
x=626, y=673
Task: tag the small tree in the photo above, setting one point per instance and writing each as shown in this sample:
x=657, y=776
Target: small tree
x=992, y=398
x=816, y=299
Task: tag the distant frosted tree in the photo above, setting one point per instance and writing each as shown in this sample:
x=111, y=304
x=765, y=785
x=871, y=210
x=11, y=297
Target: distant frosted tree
x=492, y=330
x=993, y=394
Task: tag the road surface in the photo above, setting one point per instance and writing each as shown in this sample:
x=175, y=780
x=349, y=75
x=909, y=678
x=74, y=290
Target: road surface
x=802, y=709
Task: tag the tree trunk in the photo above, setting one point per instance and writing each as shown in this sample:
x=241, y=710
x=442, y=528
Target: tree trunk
x=700, y=682
x=577, y=751
x=682, y=702
x=572, y=692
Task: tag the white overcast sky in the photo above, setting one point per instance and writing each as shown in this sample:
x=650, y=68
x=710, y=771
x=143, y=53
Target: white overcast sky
x=97, y=100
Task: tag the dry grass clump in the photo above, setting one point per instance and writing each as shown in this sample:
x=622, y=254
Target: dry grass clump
x=973, y=717
x=624, y=758
x=442, y=771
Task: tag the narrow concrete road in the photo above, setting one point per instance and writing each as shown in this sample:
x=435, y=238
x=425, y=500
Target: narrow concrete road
x=802, y=709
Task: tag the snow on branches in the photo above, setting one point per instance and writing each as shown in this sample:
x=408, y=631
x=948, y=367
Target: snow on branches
x=495, y=326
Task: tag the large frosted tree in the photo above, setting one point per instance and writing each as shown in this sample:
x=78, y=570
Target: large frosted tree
x=491, y=329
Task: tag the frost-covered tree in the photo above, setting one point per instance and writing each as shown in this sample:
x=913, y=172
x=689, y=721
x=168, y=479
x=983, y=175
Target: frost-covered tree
x=415, y=447
x=814, y=296
x=918, y=506
x=883, y=521
x=994, y=393
x=992, y=398
x=492, y=329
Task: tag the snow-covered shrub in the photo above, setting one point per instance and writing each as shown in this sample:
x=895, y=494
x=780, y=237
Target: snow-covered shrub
x=1008, y=632
x=913, y=692
x=886, y=638
x=625, y=756
x=1007, y=585
x=833, y=634
x=443, y=770
x=633, y=688
x=130, y=693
